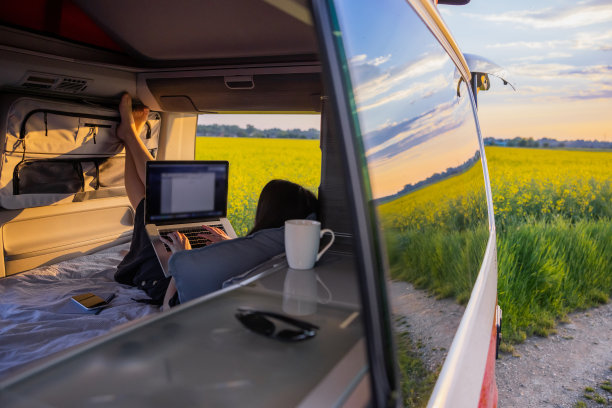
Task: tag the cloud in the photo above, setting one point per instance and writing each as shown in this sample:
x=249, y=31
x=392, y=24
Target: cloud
x=397, y=138
x=599, y=41
x=445, y=11
x=542, y=57
x=423, y=89
x=362, y=59
x=593, y=41
x=553, y=82
x=538, y=90
x=532, y=45
x=554, y=72
x=380, y=60
x=601, y=91
x=371, y=86
x=556, y=93
x=358, y=59
x=592, y=94
x=364, y=69
x=579, y=15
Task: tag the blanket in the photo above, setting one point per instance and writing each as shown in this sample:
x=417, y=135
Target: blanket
x=38, y=318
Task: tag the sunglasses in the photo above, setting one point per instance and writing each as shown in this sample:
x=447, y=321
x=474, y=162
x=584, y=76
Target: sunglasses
x=259, y=322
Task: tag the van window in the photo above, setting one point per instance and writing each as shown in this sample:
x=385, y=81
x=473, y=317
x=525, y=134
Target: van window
x=421, y=150
x=259, y=148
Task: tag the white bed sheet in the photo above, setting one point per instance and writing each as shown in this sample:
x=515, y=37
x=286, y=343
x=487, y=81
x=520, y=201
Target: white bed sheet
x=38, y=318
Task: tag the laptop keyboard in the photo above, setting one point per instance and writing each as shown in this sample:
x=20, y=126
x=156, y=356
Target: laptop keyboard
x=192, y=233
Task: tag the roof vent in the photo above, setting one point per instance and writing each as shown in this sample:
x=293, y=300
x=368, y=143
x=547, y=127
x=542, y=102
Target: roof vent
x=52, y=82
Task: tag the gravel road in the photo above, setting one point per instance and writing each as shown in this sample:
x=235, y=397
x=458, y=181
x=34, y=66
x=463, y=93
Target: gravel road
x=554, y=371
x=543, y=372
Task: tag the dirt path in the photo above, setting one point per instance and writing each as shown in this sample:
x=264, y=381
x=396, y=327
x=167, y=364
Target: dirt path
x=550, y=372
x=554, y=371
x=432, y=322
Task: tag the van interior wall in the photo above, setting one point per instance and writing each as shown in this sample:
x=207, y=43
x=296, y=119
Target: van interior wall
x=36, y=234
x=335, y=213
x=177, y=136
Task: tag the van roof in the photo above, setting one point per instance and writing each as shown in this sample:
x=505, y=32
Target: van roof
x=157, y=33
x=188, y=56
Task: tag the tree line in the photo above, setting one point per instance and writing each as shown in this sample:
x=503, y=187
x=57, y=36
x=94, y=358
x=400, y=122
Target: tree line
x=251, y=131
x=434, y=178
x=547, y=142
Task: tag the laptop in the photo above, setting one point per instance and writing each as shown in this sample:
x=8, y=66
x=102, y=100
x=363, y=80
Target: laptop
x=183, y=196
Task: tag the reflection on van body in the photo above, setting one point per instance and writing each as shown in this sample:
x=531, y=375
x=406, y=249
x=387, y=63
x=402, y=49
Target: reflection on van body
x=420, y=143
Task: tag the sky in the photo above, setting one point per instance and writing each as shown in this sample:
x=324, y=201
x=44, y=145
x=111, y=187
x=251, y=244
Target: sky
x=264, y=121
x=558, y=53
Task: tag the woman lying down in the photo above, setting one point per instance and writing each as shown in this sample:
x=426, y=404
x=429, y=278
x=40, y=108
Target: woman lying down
x=203, y=270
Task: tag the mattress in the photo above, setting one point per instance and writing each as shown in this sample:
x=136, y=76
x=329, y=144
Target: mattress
x=38, y=318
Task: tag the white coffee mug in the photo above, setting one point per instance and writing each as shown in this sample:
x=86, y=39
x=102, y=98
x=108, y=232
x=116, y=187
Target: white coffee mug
x=302, y=238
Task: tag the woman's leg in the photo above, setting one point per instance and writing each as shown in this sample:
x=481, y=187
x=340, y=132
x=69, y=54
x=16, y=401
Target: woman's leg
x=133, y=185
x=170, y=292
x=135, y=151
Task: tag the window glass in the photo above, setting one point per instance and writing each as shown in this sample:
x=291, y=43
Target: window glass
x=259, y=148
x=420, y=143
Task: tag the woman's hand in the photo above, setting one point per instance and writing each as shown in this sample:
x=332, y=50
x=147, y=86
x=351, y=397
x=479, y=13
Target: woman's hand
x=216, y=234
x=176, y=241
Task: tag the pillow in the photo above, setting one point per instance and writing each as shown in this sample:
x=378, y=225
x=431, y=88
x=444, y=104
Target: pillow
x=203, y=270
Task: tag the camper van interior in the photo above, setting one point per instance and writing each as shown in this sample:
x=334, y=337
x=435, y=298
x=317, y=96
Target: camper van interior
x=270, y=336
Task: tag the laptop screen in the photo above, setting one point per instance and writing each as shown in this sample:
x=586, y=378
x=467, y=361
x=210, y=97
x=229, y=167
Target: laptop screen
x=181, y=191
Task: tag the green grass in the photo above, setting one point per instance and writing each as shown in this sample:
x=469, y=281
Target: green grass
x=428, y=260
x=593, y=398
x=547, y=269
x=417, y=382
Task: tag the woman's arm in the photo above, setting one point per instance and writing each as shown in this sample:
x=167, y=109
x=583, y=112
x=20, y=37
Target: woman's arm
x=176, y=241
x=214, y=234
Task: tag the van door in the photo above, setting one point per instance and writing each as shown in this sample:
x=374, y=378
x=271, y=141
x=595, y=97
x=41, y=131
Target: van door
x=422, y=204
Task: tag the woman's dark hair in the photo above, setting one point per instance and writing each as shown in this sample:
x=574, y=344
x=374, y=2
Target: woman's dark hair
x=282, y=200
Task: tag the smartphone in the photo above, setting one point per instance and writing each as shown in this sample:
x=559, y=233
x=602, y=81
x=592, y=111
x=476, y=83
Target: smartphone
x=89, y=301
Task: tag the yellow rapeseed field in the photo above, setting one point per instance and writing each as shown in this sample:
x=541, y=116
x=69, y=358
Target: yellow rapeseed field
x=569, y=183
x=537, y=183
x=454, y=203
x=526, y=184
x=254, y=162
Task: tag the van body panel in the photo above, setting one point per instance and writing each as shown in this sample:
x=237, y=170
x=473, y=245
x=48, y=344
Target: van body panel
x=474, y=332
x=489, y=391
x=344, y=50
x=454, y=387
x=430, y=15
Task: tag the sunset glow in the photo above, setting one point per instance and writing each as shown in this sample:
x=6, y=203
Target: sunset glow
x=559, y=55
